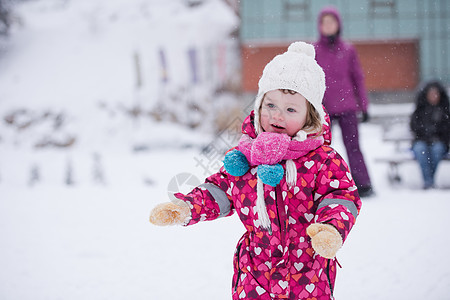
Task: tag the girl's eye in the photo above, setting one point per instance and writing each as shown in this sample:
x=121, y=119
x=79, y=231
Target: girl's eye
x=270, y=105
x=291, y=110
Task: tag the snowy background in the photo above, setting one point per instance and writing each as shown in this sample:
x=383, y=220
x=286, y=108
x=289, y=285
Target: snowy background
x=89, y=143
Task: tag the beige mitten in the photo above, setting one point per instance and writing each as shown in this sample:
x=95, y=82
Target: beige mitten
x=170, y=214
x=325, y=239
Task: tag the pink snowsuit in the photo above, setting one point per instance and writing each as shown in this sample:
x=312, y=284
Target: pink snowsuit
x=282, y=265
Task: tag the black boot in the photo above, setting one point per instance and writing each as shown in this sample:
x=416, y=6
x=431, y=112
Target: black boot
x=365, y=191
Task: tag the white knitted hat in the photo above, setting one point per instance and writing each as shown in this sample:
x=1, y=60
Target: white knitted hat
x=295, y=70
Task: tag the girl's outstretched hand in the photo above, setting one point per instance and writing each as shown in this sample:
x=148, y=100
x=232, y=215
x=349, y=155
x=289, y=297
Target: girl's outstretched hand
x=325, y=239
x=170, y=214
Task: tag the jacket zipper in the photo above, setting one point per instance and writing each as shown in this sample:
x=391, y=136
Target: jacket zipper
x=279, y=197
x=237, y=280
x=239, y=268
x=328, y=276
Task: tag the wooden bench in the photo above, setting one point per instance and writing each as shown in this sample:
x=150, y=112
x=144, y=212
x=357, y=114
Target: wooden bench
x=400, y=135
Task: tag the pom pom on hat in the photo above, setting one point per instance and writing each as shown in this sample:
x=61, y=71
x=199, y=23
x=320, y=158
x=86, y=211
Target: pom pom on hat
x=302, y=47
x=235, y=163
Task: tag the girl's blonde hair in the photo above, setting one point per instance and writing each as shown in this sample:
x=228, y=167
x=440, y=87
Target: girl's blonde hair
x=313, y=123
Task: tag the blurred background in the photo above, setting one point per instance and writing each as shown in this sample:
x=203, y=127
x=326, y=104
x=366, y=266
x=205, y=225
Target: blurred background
x=103, y=102
x=399, y=43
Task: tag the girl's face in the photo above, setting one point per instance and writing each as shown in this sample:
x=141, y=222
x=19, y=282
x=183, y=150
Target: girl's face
x=433, y=96
x=283, y=112
x=329, y=25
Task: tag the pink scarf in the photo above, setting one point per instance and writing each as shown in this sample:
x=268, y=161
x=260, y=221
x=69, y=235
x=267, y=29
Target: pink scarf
x=270, y=148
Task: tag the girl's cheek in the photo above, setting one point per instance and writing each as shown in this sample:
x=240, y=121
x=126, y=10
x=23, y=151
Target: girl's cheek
x=264, y=115
x=295, y=123
x=263, y=120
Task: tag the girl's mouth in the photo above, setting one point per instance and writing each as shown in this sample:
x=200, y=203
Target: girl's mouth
x=278, y=127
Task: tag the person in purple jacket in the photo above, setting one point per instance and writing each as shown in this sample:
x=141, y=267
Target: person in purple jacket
x=345, y=94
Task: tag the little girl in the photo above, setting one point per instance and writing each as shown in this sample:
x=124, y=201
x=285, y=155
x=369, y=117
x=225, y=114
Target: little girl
x=291, y=190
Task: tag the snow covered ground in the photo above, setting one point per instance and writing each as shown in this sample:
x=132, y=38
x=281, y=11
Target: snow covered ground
x=92, y=239
x=94, y=242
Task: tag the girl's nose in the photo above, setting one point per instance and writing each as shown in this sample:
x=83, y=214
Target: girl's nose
x=278, y=115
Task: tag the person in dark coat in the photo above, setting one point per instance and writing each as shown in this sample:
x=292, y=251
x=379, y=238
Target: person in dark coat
x=346, y=94
x=430, y=124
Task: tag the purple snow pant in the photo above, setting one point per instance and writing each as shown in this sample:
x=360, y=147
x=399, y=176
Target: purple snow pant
x=348, y=122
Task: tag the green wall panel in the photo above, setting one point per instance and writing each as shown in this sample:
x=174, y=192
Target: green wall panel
x=426, y=20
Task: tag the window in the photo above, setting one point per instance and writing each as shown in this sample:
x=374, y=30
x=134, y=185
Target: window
x=297, y=9
x=379, y=8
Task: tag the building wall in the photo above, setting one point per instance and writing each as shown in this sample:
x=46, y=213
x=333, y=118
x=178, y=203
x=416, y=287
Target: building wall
x=411, y=37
